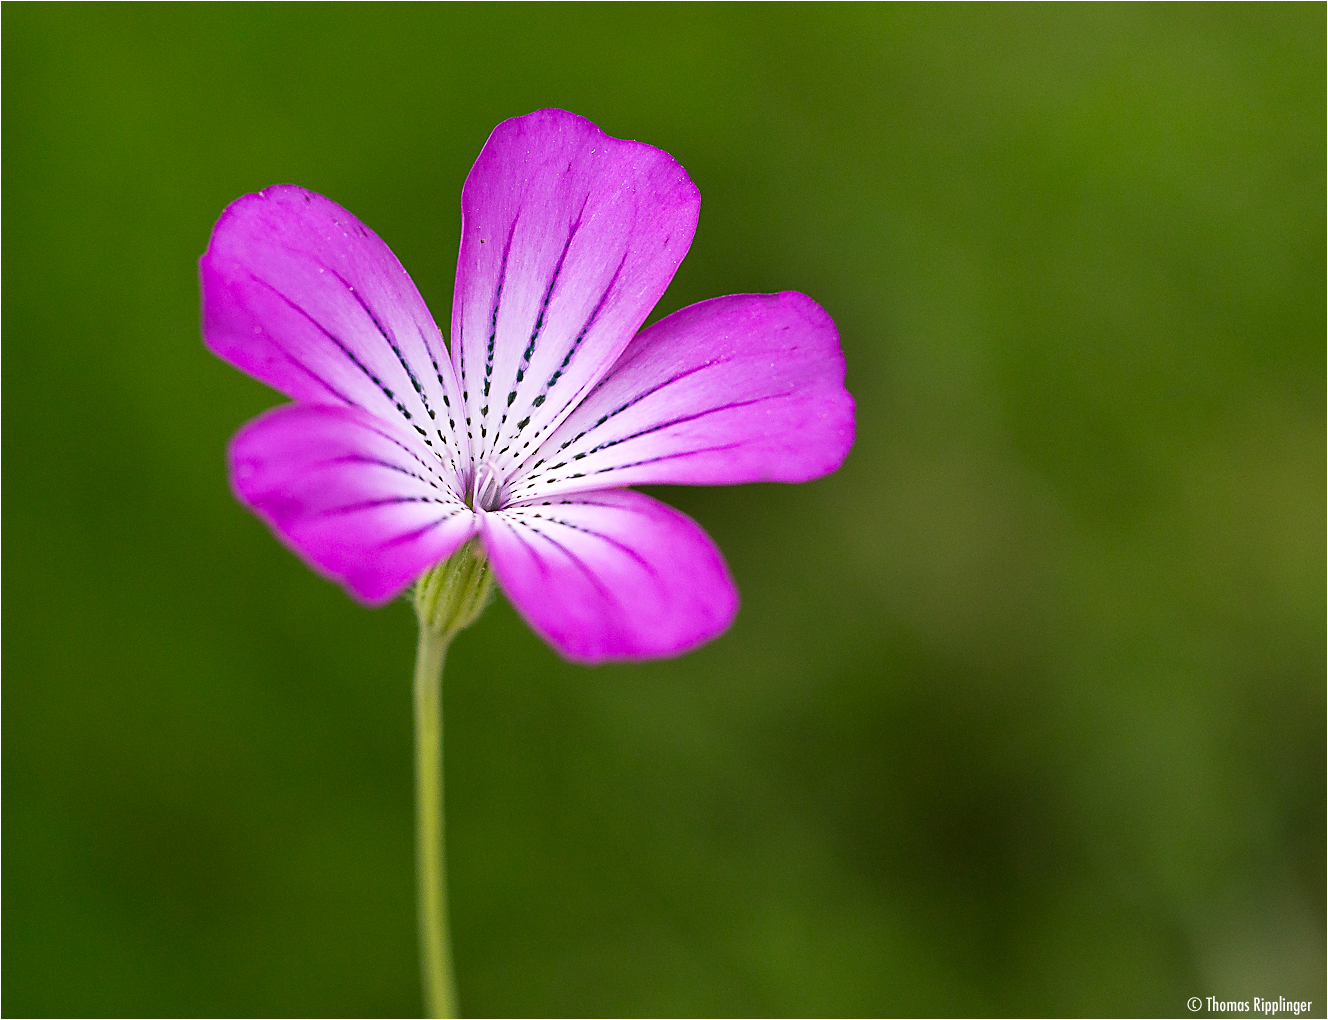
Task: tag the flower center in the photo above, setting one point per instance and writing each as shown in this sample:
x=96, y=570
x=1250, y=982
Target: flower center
x=486, y=488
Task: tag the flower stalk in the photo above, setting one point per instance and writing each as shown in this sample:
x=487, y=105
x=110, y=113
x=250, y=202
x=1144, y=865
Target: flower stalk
x=430, y=867
x=448, y=598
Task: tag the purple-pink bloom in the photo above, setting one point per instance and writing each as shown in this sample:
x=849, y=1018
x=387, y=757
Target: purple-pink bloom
x=548, y=405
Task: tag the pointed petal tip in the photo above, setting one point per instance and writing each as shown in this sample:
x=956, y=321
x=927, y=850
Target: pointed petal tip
x=545, y=125
x=251, y=203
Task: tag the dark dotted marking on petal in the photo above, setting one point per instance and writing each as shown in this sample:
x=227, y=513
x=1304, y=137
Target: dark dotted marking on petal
x=410, y=536
x=336, y=340
x=528, y=484
x=461, y=349
x=370, y=504
x=316, y=377
x=576, y=346
x=590, y=575
x=401, y=446
x=681, y=420
x=640, y=397
x=645, y=564
x=442, y=386
x=391, y=341
x=359, y=458
x=497, y=303
x=538, y=328
x=449, y=480
x=540, y=565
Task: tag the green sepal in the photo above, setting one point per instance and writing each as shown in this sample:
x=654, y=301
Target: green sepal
x=451, y=596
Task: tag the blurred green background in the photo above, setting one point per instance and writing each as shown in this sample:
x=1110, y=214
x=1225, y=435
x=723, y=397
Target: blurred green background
x=1024, y=712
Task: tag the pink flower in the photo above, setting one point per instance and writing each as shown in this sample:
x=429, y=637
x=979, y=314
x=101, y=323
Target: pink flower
x=549, y=404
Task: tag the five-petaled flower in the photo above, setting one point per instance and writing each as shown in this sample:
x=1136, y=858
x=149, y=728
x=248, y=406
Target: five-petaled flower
x=549, y=404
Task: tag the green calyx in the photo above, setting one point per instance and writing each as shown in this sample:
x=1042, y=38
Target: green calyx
x=450, y=596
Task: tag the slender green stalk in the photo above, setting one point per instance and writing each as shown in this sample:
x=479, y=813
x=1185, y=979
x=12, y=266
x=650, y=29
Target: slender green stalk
x=448, y=598
x=431, y=876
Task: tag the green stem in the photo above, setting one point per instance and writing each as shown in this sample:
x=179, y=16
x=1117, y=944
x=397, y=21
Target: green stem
x=430, y=874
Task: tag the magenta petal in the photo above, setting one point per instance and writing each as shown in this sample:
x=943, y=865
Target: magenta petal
x=612, y=575
x=748, y=388
x=359, y=501
x=568, y=239
x=303, y=296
